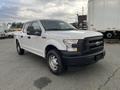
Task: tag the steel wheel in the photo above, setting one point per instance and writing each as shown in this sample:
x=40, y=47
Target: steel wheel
x=53, y=62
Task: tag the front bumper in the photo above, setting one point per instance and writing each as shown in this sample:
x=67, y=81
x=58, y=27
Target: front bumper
x=76, y=59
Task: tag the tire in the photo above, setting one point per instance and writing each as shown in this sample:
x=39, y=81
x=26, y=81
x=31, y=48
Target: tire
x=20, y=51
x=109, y=35
x=55, y=63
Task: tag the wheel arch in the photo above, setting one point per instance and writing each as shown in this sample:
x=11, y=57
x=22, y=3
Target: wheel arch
x=50, y=47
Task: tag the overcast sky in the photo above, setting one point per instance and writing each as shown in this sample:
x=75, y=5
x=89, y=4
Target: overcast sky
x=24, y=10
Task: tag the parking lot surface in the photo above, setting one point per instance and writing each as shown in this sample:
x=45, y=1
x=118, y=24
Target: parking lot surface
x=30, y=72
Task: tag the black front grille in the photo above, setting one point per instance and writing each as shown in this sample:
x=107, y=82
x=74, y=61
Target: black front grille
x=95, y=42
x=91, y=45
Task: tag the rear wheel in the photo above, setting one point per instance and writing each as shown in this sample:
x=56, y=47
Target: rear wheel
x=19, y=49
x=109, y=35
x=55, y=63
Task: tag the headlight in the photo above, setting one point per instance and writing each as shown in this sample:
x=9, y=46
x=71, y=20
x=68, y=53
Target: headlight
x=69, y=43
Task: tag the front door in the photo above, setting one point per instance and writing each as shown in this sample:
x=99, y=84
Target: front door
x=34, y=38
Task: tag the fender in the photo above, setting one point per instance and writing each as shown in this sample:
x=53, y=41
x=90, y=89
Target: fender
x=58, y=44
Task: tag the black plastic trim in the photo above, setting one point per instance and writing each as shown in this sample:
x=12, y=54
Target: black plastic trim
x=75, y=58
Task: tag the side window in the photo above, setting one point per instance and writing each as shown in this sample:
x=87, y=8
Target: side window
x=34, y=29
x=36, y=26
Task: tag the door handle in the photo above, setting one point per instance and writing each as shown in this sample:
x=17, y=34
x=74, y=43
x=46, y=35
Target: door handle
x=29, y=37
x=21, y=36
x=44, y=37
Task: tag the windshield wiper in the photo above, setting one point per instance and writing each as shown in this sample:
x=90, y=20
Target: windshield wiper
x=53, y=29
x=70, y=29
x=61, y=29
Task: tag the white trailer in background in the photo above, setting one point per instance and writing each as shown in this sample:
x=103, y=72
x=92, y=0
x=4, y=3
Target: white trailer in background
x=104, y=16
x=3, y=28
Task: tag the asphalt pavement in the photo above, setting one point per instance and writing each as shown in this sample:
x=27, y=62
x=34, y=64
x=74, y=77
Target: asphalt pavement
x=30, y=72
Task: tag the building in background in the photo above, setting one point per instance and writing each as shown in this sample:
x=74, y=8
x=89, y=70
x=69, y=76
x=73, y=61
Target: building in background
x=75, y=24
x=82, y=22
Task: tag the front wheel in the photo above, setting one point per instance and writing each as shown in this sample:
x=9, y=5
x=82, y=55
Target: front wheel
x=19, y=49
x=55, y=63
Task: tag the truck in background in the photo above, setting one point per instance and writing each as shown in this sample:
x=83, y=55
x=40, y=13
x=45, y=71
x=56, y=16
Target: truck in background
x=13, y=29
x=104, y=16
x=82, y=22
x=3, y=28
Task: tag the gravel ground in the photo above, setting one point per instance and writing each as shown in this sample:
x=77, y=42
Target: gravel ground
x=30, y=72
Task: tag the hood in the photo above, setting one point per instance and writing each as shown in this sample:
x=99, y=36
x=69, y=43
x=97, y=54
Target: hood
x=73, y=34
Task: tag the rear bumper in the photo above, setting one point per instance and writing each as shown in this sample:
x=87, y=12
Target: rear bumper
x=75, y=59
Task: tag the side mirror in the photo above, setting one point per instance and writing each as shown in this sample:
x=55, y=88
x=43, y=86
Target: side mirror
x=37, y=33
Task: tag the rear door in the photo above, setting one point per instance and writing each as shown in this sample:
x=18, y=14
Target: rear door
x=24, y=40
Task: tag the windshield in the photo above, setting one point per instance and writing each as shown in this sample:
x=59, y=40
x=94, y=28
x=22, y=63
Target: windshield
x=55, y=25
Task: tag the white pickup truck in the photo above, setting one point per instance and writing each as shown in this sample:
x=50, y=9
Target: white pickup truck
x=60, y=43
